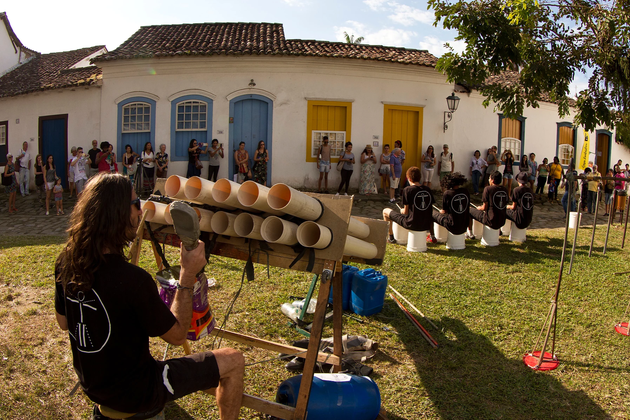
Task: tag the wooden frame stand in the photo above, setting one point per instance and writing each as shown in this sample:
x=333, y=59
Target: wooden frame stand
x=326, y=263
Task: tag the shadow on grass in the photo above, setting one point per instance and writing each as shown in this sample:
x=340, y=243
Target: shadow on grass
x=467, y=377
x=174, y=411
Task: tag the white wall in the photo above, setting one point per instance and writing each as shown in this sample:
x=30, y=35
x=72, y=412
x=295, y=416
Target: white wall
x=81, y=104
x=290, y=82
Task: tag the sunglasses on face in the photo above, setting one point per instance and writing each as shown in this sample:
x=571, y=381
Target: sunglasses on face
x=136, y=202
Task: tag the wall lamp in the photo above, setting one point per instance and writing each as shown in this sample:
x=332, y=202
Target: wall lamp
x=452, y=102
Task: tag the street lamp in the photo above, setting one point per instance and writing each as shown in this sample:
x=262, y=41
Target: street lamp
x=452, y=102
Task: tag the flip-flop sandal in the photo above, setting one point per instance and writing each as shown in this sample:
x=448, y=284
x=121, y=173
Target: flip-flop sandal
x=186, y=224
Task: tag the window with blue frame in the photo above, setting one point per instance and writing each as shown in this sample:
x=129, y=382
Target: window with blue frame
x=191, y=118
x=136, y=124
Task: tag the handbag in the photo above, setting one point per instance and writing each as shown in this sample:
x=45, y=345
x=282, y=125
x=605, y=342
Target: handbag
x=6, y=180
x=198, y=163
x=340, y=163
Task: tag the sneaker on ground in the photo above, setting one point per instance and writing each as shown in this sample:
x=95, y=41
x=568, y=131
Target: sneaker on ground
x=391, y=240
x=392, y=200
x=336, y=194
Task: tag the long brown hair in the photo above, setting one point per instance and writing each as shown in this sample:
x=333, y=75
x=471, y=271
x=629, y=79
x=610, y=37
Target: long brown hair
x=100, y=224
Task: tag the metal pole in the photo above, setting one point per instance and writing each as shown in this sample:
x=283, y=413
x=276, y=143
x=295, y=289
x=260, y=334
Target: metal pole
x=554, y=302
x=610, y=217
x=577, y=226
x=590, y=250
x=623, y=240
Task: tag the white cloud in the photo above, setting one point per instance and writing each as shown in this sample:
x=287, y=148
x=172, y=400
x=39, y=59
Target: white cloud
x=388, y=36
x=437, y=46
x=407, y=15
x=376, y=5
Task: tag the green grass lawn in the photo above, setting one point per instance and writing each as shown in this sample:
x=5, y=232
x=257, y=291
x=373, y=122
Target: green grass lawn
x=489, y=303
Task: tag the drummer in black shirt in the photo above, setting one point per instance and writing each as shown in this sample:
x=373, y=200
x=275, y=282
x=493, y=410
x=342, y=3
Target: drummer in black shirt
x=455, y=214
x=492, y=212
x=417, y=202
x=522, y=208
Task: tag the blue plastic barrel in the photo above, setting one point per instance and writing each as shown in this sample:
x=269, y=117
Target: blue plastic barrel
x=335, y=396
x=368, y=292
x=347, y=273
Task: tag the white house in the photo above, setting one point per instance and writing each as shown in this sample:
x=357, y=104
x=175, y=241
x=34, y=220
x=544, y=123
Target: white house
x=247, y=82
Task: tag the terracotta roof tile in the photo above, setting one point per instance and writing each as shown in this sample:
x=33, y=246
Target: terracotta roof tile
x=249, y=39
x=50, y=71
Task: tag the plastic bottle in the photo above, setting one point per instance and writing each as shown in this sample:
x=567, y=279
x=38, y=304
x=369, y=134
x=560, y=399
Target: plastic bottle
x=291, y=311
x=311, y=306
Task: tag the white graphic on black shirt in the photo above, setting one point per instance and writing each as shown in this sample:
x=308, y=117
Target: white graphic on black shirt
x=93, y=329
x=459, y=203
x=422, y=200
x=527, y=201
x=500, y=199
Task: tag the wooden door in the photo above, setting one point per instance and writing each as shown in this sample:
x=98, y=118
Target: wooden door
x=404, y=123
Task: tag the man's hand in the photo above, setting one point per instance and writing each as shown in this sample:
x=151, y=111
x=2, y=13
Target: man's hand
x=192, y=262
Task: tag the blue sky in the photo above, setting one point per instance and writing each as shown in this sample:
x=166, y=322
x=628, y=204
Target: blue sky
x=46, y=27
x=51, y=26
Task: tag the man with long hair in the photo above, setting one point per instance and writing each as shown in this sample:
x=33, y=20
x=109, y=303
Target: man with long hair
x=110, y=308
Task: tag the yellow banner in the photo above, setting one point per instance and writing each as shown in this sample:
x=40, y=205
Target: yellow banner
x=585, y=150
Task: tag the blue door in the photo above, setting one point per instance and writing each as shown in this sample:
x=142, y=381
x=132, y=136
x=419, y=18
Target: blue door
x=250, y=121
x=53, y=140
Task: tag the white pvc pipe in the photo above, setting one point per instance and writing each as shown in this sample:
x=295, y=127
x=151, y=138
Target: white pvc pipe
x=155, y=212
x=174, y=187
x=278, y=231
x=200, y=189
x=225, y=192
x=253, y=195
x=358, y=248
x=223, y=223
x=358, y=229
x=205, y=219
x=314, y=235
x=283, y=198
x=248, y=226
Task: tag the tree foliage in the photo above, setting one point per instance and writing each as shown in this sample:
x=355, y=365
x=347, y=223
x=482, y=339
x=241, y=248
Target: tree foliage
x=520, y=52
x=350, y=39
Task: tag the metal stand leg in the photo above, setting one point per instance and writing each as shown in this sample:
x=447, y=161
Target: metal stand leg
x=590, y=250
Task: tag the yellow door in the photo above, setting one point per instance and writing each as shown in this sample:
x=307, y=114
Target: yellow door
x=404, y=123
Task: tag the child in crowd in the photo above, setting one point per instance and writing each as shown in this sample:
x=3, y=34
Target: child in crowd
x=58, y=191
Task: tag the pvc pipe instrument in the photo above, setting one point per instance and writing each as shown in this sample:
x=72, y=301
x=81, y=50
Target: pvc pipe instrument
x=253, y=195
x=223, y=223
x=358, y=229
x=248, y=226
x=357, y=248
x=174, y=187
x=314, y=235
x=225, y=192
x=156, y=212
x=283, y=198
x=278, y=231
x=199, y=189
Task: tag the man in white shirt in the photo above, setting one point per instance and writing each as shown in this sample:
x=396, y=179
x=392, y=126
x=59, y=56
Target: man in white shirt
x=79, y=165
x=25, y=169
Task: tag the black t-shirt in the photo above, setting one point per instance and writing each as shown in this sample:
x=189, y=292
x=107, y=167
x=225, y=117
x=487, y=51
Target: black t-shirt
x=496, y=199
x=456, y=203
x=524, y=210
x=109, y=328
x=420, y=201
x=93, y=153
x=194, y=155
